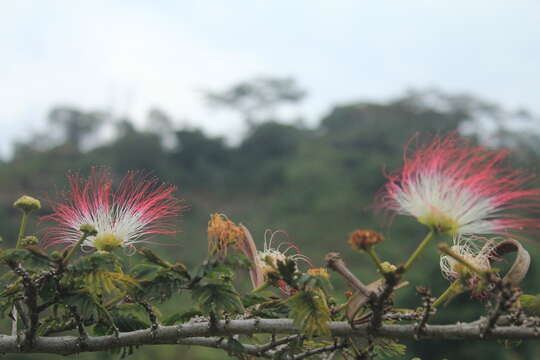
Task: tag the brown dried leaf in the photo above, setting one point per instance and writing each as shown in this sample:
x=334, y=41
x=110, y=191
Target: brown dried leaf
x=521, y=264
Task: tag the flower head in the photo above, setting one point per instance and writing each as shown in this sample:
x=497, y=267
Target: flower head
x=139, y=208
x=271, y=254
x=459, y=189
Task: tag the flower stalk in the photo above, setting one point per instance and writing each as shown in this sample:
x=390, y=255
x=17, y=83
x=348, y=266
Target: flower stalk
x=453, y=289
x=414, y=256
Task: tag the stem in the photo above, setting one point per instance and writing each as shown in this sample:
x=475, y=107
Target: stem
x=22, y=228
x=334, y=262
x=451, y=290
x=371, y=252
x=419, y=250
x=75, y=247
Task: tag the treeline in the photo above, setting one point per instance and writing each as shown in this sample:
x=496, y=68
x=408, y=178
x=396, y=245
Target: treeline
x=317, y=183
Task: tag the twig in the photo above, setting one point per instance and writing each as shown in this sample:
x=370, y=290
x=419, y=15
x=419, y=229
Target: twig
x=506, y=296
x=30, y=300
x=336, y=263
x=378, y=304
x=151, y=315
x=320, y=350
x=427, y=301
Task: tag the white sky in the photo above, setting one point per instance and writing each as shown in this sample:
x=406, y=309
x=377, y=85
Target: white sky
x=128, y=55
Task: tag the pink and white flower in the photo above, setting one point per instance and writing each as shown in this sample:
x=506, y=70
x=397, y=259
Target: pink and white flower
x=273, y=253
x=139, y=208
x=460, y=189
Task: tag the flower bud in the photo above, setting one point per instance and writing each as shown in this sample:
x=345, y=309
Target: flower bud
x=88, y=229
x=29, y=240
x=27, y=204
x=364, y=239
x=319, y=272
x=388, y=267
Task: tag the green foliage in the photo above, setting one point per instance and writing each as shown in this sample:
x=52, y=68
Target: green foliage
x=214, y=298
x=310, y=312
x=388, y=348
x=531, y=304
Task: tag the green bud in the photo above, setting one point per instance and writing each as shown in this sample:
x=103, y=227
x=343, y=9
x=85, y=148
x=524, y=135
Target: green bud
x=56, y=255
x=27, y=204
x=387, y=267
x=29, y=240
x=88, y=229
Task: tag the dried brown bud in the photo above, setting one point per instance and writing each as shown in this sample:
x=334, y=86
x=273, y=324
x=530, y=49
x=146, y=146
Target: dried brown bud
x=364, y=239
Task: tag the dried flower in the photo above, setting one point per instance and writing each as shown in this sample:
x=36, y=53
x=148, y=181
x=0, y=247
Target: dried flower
x=364, y=239
x=223, y=233
x=467, y=248
x=139, y=208
x=458, y=189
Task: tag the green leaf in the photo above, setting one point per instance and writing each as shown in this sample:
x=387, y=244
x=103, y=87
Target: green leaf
x=309, y=311
x=287, y=269
x=385, y=347
x=254, y=299
x=531, y=304
x=217, y=297
x=235, y=348
x=23, y=256
x=314, y=281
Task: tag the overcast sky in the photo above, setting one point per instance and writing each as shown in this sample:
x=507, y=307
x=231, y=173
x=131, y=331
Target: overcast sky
x=127, y=56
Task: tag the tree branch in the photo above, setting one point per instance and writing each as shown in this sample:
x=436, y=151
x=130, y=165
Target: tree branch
x=180, y=334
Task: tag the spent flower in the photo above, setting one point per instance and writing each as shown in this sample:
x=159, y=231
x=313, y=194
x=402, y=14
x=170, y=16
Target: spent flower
x=223, y=233
x=470, y=251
